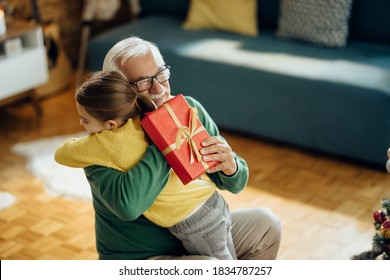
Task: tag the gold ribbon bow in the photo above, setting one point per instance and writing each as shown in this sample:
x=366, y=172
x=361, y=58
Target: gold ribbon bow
x=185, y=134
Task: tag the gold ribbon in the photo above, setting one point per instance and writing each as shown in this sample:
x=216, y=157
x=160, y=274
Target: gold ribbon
x=185, y=134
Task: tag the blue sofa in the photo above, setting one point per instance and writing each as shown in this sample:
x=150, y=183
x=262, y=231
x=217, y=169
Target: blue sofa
x=346, y=115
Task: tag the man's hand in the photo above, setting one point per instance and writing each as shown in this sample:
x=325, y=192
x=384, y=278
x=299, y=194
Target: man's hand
x=215, y=149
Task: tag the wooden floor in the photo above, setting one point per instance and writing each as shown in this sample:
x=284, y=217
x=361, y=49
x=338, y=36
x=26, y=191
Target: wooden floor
x=325, y=204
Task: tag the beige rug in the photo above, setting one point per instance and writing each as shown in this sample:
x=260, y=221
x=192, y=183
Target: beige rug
x=58, y=180
x=6, y=200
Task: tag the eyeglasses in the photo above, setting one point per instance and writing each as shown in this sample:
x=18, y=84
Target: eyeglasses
x=147, y=83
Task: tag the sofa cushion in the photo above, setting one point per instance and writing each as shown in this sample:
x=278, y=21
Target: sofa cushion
x=226, y=15
x=317, y=21
x=255, y=52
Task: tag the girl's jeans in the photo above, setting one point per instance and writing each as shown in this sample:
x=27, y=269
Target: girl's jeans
x=207, y=232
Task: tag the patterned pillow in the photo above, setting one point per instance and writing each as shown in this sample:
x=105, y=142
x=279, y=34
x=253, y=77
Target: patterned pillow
x=323, y=22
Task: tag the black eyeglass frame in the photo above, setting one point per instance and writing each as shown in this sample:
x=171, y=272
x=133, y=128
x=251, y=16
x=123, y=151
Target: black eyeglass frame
x=152, y=78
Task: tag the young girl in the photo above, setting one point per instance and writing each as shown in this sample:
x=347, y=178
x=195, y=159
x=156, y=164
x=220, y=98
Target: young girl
x=111, y=111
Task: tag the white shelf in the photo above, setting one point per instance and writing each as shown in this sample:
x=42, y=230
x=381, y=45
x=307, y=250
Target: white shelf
x=27, y=69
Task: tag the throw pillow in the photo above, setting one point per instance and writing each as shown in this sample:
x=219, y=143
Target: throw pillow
x=317, y=21
x=239, y=16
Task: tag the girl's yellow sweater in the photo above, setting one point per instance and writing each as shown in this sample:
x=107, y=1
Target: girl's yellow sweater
x=121, y=149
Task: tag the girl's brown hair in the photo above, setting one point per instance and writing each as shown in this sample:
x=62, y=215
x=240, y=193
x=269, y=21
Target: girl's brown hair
x=109, y=96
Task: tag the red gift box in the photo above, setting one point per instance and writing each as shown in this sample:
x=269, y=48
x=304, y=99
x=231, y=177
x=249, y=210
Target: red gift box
x=177, y=132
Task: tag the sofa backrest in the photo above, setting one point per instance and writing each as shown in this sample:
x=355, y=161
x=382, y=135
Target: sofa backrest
x=369, y=19
x=176, y=8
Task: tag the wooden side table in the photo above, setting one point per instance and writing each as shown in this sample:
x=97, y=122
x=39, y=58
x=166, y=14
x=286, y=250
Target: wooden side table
x=23, y=63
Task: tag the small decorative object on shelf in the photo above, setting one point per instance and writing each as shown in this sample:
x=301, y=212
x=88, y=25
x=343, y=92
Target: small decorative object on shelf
x=381, y=240
x=13, y=46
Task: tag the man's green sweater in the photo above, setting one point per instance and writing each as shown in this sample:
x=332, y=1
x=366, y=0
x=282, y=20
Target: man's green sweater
x=120, y=198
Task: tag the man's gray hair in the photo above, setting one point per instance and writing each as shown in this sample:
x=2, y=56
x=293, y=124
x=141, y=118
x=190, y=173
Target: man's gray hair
x=128, y=48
